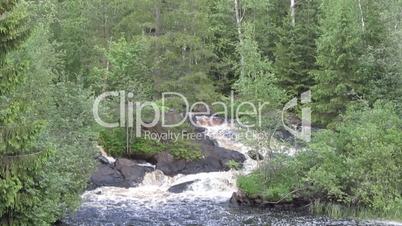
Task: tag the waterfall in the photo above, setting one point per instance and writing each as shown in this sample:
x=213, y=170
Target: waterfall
x=203, y=202
x=213, y=185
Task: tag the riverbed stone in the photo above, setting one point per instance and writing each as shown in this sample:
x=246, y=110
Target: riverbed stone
x=123, y=173
x=179, y=188
x=255, y=155
x=106, y=175
x=132, y=173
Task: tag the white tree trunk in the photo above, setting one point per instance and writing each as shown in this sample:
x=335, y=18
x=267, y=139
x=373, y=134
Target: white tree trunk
x=293, y=11
x=362, y=16
x=239, y=19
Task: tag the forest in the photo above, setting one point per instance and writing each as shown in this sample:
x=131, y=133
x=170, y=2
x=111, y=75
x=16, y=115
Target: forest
x=57, y=56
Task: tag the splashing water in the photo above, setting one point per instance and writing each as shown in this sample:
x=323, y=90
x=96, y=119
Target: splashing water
x=204, y=202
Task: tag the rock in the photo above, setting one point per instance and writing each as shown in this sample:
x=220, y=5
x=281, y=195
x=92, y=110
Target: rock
x=105, y=160
x=132, y=173
x=207, y=164
x=284, y=135
x=229, y=134
x=102, y=159
x=215, y=159
x=199, y=129
x=226, y=155
x=210, y=141
x=179, y=188
x=124, y=173
x=168, y=165
x=239, y=199
x=255, y=155
x=106, y=175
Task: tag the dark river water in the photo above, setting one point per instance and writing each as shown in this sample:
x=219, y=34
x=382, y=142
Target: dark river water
x=193, y=212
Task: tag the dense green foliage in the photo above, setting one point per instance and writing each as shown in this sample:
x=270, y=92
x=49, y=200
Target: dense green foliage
x=345, y=51
x=356, y=165
x=46, y=146
x=56, y=56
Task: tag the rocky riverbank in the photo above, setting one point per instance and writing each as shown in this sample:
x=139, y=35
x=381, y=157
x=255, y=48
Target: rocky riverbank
x=125, y=172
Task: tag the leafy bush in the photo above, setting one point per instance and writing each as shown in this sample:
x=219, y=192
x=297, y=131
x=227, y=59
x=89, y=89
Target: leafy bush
x=146, y=146
x=232, y=164
x=183, y=149
x=115, y=143
x=358, y=165
x=251, y=184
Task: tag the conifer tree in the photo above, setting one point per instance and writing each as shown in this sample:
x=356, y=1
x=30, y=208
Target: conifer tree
x=21, y=157
x=296, y=50
x=339, y=78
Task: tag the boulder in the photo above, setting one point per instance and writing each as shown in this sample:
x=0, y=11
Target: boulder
x=132, y=173
x=208, y=140
x=124, y=173
x=199, y=129
x=239, y=199
x=255, y=155
x=207, y=164
x=179, y=188
x=102, y=159
x=106, y=175
x=166, y=163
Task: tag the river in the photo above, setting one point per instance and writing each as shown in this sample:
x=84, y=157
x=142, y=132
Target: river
x=205, y=202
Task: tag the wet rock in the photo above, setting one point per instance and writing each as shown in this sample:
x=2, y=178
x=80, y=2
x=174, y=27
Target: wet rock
x=208, y=140
x=132, y=173
x=205, y=165
x=255, y=155
x=199, y=129
x=239, y=199
x=102, y=159
x=226, y=155
x=215, y=159
x=124, y=173
x=179, y=188
x=284, y=135
x=106, y=175
x=229, y=134
x=166, y=163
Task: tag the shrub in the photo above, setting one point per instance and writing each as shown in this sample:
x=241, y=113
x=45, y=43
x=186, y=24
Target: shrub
x=357, y=165
x=232, y=164
x=183, y=149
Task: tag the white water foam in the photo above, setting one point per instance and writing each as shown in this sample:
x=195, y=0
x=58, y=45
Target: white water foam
x=212, y=186
x=151, y=203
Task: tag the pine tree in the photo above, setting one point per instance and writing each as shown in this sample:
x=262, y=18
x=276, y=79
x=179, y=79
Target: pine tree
x=339, y=78
x=20, y=154
x=295, y=52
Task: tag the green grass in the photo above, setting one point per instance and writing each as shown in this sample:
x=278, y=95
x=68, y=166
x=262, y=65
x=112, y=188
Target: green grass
x=337, y=211
x=256, y=185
